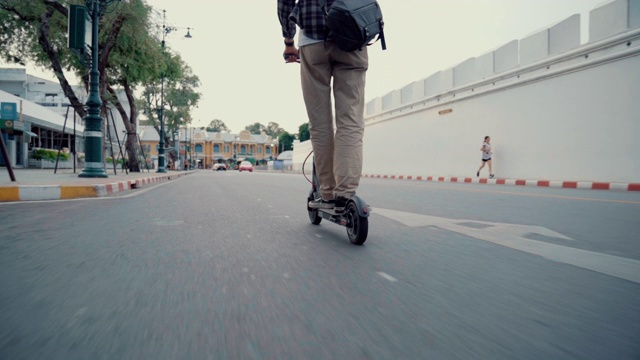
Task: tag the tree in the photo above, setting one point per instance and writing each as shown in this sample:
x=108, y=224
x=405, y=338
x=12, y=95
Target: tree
x=217, y=125
x=274, y=130
x=180, y=97
x=303, y=132
x=286, y=141
x=256, y=128
x=36, y=32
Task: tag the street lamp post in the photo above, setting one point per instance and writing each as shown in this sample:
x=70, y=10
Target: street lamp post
x=161, y=166
x=191, y=148
x=161, y=155
x=93, y=134
x=176, y=141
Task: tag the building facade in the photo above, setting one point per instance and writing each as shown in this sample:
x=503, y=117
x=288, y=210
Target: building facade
x=199, y=148
x=55, y=124
x=36, y=126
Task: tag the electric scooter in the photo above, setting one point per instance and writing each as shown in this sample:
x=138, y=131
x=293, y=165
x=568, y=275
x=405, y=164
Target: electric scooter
x=355, y=216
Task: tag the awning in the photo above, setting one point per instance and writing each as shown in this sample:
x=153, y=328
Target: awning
x=30, y=133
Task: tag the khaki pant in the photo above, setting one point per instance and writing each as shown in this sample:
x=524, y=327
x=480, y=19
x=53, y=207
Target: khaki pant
x=338, y=158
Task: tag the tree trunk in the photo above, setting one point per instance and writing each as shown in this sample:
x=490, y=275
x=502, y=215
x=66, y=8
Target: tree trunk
x=132, y=140
x=129, y=123
x=55, y=62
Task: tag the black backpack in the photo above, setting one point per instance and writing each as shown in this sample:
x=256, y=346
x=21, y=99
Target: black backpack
x=353, y=24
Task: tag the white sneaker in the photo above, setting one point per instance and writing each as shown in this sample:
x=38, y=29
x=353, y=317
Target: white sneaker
x=322, y=204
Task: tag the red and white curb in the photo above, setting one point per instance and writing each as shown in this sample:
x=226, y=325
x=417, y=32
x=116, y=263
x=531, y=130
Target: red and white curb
x=519, y=182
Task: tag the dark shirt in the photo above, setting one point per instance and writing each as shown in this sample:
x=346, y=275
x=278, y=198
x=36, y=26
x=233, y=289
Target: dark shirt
x=307, y=14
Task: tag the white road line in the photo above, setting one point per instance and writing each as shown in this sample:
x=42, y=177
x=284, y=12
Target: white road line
x=512, y=236
x=387, y=276
x=80, y=312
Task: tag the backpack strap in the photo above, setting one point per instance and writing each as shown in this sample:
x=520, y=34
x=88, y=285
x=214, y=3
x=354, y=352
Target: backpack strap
x=381, y=36
x=325, y=11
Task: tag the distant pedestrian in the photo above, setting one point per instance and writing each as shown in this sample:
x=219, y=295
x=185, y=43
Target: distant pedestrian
x=486, y=156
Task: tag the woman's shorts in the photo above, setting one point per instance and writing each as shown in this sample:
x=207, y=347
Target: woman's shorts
x=485, y=160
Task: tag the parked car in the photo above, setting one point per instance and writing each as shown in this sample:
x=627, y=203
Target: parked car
x=219, y=167
x=245, y=165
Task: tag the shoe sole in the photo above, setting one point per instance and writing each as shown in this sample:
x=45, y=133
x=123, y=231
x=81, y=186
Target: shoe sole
x=315, y=206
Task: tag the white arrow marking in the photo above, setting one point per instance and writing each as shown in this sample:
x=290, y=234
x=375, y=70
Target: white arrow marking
x=387, y=276
x=512, y=236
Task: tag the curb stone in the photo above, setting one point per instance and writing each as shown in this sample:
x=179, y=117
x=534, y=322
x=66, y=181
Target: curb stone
x=518, y=182
x=63, y=192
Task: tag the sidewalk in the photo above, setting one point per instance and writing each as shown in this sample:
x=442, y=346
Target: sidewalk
x=518, y=182
x=37, y=184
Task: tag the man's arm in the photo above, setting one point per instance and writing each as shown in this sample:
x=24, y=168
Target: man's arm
x=285, y=7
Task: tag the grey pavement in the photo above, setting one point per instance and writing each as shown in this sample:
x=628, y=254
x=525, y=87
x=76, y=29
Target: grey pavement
x=44, y=184
x=226, y=265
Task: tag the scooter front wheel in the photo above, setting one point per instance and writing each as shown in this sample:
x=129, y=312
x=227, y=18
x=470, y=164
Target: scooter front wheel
x=314, y=217
x=357, y=226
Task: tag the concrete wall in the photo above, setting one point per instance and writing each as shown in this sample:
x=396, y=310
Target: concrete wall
x=13, y=88
x=562, y=128
x=13, y=80
x=555, y=109
x=300, y=152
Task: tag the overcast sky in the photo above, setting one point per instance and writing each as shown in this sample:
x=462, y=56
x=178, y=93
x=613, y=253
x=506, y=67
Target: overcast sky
x=236, y=49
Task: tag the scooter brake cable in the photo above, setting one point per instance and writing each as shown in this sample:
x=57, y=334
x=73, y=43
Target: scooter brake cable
x=303, y=174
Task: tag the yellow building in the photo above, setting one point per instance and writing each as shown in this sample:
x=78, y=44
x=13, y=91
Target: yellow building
x=202, y=149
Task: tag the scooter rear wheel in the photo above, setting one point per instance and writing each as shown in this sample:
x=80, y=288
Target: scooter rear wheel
x=357, y=226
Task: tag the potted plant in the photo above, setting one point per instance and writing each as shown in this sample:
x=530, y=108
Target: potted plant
x=46, y=159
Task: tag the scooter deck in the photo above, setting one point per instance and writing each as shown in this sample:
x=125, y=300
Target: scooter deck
x=333, y=216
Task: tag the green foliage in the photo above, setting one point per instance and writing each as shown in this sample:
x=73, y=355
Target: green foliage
x=20, y=24
x=217, y=125
x=109, y=160
x=256, y=128
x=274, y=130
x=286, y=141
x=48, y=155
x=303, y=132
x=180, y=96
x=137, y=56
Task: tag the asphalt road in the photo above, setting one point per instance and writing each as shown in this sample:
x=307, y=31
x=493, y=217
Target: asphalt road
x=226, y=265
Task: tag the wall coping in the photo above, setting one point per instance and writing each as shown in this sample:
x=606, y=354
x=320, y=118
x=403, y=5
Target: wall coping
x=580, y=52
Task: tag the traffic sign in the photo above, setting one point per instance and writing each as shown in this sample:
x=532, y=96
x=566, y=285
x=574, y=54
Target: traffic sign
x=8, y=111
x=6, y=124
